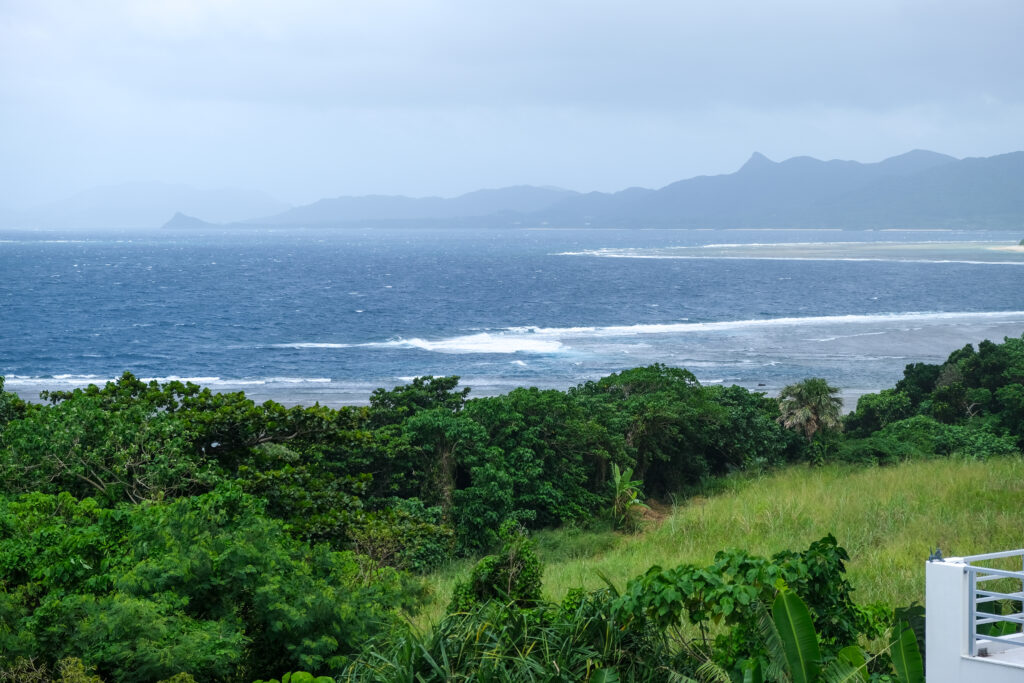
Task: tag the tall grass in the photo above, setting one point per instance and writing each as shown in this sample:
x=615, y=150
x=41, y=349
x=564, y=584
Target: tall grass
x=887, y=518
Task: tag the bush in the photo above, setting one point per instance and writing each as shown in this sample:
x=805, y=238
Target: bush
x=405, y=535
x=877, y=450
x=512, y=576
x=926, y=435
x=299, y=677
x=728, y=591
x=875, y=411
x=11, y=407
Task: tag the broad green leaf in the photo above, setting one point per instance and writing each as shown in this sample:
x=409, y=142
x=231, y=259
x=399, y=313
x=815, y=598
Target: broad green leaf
x=906, y=657
x=799, y=640
x=604, y=676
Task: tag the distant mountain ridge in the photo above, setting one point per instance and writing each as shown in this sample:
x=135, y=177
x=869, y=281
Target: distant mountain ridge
x=518, y=199
x=798, y=192
x=919, y=189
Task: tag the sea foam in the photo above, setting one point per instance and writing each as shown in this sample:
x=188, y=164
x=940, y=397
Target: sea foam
x=550, y=340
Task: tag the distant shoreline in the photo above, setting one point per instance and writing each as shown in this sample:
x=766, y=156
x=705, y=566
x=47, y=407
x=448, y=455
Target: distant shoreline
x=342, y=398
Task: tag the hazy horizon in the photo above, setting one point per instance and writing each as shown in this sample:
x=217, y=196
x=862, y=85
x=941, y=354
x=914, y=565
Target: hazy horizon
x=454, y=194
x=317, y=99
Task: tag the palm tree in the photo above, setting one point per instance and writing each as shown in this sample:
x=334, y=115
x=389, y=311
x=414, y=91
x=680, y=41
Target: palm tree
x=810, y=406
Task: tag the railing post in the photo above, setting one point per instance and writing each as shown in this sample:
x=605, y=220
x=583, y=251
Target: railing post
x=947, y=604
x=972, y=609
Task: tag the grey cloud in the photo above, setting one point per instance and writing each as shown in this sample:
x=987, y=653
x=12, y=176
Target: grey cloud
x=316, y=97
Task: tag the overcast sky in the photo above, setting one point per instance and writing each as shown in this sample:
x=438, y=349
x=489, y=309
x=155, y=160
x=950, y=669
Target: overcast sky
x=311, y=98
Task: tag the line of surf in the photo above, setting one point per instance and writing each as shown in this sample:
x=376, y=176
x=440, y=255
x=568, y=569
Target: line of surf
x=873, y=318
x=503, y=341
x=549, y=340
x=82, y=380
x=740, y=245
x=718, y=257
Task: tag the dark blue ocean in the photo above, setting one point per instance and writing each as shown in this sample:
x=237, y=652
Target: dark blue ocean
x=328, y=315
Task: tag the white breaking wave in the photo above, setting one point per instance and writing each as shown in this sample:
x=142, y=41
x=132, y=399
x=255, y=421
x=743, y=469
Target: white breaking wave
x=815, y=251
x=298, y=380
x=483, y=342
x=45, y=241
x=740, y=245
x=704, y=257
x=683, y=327
x=549, y=340
x=57, y=380
x=83, y=380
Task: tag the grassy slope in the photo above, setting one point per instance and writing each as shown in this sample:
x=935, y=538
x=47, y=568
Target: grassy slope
x=887, y=518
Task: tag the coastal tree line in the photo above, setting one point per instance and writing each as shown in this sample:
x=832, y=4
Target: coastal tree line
x=149, y=530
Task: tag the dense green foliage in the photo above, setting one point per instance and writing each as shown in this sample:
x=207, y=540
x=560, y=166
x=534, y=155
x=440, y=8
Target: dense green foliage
x=726, y=592
x=207, y=584
x=972, y=406
x=186, y=531
x=795, y=655
x=156, y=530
x=421, y=460
x=644, y=633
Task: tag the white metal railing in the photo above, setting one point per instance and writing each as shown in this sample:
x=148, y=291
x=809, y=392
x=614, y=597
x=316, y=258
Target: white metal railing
x=978, y=576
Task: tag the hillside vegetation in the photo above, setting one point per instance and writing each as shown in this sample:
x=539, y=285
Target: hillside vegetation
x=888, y=518
x=152, y=530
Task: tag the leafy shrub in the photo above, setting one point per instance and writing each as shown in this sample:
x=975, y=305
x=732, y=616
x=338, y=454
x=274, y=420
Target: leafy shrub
x=579, y=640
x=880, y=450
x=875, y=411
x=728, y=590
x=513, y=575
x=405, y=535
x=299, y=677
x=627, y=506
x=927, y=435
x=11, y=407
x=984, y=387
x=67, y=670
x=792, y=646
x=923, y=437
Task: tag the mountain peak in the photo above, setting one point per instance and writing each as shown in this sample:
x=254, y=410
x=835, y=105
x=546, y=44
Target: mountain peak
x=756, y=161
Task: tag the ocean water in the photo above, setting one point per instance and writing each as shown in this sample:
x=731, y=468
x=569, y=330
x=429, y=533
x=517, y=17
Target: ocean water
x=306, y=315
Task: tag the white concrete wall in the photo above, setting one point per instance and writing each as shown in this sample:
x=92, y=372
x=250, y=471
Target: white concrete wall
x=946, y=632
